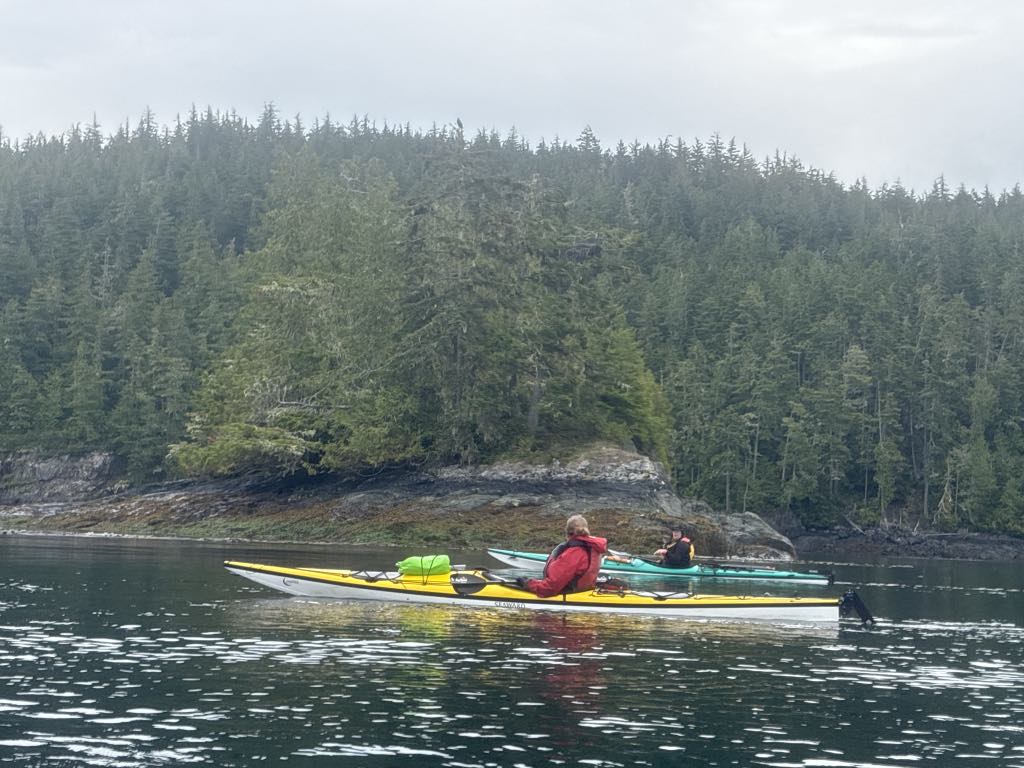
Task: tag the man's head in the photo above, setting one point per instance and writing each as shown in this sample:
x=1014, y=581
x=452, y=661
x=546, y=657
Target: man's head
x=577, y=526
x=677, y=533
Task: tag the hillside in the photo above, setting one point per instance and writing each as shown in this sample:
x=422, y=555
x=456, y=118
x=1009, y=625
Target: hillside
x=217, y=298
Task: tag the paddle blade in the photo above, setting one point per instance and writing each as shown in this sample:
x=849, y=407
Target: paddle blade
x=469, y=583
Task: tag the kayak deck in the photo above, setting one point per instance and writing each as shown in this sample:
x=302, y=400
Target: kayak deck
x=641, y=567
x=478, y=588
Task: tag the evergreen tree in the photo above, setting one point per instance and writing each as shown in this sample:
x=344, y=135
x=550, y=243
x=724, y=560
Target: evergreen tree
x=339, y=295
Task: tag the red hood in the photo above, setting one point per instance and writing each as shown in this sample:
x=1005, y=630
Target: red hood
x=600, y=545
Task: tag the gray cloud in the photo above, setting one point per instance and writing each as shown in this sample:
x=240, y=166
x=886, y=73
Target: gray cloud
x=885, y=90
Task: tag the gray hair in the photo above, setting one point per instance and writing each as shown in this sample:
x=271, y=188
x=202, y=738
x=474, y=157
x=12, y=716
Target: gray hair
x=577, y=526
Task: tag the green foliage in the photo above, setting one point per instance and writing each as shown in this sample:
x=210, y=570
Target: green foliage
x=238, y=449
x=430, y=335
x=267, y=298
x=17, y=406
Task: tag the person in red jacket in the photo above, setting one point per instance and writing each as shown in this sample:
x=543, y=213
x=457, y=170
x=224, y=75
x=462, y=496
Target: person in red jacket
x=573, y=565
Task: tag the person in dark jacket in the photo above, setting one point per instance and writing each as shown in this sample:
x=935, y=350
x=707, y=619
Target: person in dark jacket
x=573, y=565
x=679, y=551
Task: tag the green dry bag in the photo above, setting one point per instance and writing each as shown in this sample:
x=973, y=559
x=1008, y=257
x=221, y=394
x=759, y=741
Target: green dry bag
x=425, y=565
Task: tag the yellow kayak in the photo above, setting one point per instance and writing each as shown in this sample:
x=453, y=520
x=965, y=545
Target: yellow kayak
x=478, y=588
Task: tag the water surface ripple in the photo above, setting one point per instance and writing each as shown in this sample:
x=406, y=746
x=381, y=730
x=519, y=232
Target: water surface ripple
x=120, y=653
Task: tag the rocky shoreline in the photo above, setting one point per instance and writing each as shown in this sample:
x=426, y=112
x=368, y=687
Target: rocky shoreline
x=625, y=496
x=848, y=544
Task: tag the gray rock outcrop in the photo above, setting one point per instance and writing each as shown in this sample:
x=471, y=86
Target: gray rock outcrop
x=27, y=478
x=625, y=496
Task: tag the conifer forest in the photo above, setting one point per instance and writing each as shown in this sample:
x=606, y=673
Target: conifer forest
x=221, y=296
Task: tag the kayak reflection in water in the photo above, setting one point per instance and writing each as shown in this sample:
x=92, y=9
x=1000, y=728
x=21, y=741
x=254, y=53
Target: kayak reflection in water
x=572, y=681
x=573, y=565
x=678, y=553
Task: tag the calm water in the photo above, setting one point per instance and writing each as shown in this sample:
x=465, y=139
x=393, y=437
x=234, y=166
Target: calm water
x=143, y=653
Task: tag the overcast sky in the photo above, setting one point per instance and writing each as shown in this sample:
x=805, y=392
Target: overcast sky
x=890, y=90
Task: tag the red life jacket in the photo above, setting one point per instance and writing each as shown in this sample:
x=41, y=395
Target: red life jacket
x=582, y=579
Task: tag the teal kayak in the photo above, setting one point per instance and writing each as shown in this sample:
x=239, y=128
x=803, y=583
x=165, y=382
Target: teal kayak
x=639, y=565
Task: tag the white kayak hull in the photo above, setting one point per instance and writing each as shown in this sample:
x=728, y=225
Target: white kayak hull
x=323, y=584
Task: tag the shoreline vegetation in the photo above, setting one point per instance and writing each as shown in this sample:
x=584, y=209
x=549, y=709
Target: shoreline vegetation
x=223, y=297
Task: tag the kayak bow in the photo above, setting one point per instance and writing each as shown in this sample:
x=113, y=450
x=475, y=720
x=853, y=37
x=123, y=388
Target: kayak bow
x=479, y=588
x=640, y=566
